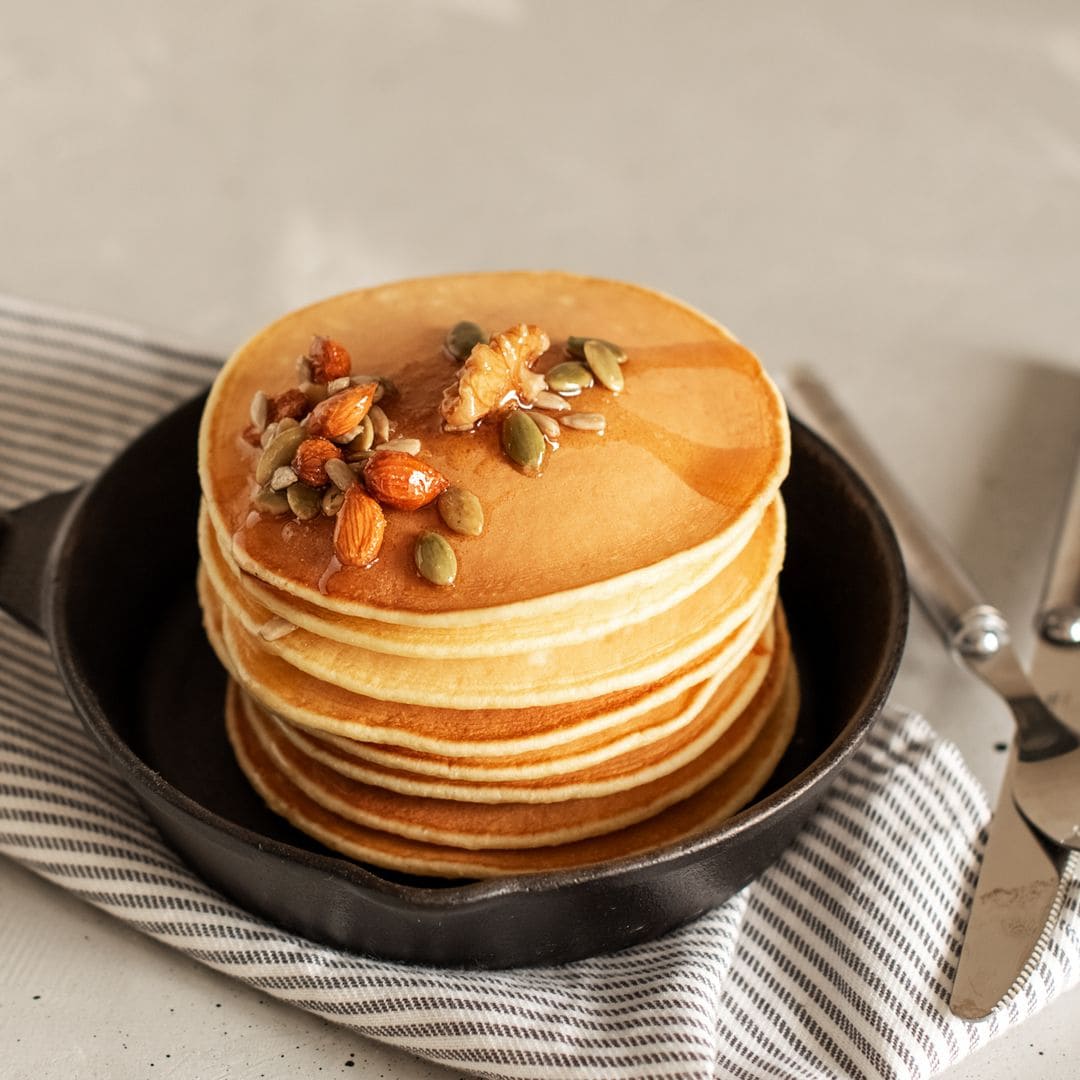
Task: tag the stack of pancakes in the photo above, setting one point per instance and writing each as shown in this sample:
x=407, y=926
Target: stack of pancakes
x=609, y=672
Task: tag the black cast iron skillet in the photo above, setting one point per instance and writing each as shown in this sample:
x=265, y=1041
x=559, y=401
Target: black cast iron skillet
x=106, y=573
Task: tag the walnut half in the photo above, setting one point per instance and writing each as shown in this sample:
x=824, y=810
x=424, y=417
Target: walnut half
x=494, y=374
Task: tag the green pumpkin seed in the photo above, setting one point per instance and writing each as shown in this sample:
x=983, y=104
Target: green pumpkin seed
x=522, y=441
x=569, y=378
x=339, y=473
x=461, y=510
x=435, y=559
x=332, y=498
x=575, y=346
x=270, y=502
x=604, y=362
x=305, y=502
x=279, y=451
x=463, y=338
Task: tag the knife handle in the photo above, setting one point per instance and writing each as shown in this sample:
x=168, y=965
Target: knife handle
x=1059, y=611
x=970, y=626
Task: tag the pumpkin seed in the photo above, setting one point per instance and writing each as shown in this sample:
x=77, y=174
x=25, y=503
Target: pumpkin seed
x=270, y=502
x=435, y=559
x=522, y=441
x=461, y=510
x=380, y=423
x=287, y=423
x=260, y=405
x=463, y=338
x=552, y=402
x=383, y=385
x=279, y=451
x=305, y=502
x=585, y=421
x=275, y=628
x=283, y=477
x=341, y=476
x=569, y=378
x=575, y=346
x=403, y=446
x=548, y=425
x=604, y=362
x=332, y=499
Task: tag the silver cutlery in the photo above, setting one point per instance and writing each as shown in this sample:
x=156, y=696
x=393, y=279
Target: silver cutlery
x=1045, y=781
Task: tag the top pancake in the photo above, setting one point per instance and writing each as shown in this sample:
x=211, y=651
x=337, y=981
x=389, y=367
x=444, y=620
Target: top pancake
x=695, y=449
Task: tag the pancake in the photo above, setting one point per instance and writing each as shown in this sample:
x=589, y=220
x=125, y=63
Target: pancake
x=556, y=660
x=713, y=804
x=700, y=433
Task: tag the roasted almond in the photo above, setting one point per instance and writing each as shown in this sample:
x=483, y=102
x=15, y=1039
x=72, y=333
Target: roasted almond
x=290, y=403
x=328, y=360
x=309, y=462
x=403, y=481
x=343, y=413
x=358, y=528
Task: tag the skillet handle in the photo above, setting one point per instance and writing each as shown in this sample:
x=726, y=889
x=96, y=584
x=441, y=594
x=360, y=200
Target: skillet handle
x=27, y=537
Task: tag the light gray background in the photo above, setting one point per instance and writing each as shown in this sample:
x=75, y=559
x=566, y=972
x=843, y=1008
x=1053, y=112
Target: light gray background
x=889, y=192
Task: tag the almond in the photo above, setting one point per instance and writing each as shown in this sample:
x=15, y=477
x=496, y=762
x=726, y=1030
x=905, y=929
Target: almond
x=403, y=481
x=358, y=528
x=309, y=462
x=329, y=360
x=292, y=403
x=342, y=413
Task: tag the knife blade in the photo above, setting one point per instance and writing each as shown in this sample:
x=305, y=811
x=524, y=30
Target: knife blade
x=1023, y=878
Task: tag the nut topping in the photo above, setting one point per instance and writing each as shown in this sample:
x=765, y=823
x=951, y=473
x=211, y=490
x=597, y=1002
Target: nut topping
x=328, y=360
x=494, y=375
x=359, y=526
x=343, y=413
x=310, y=460
x=403, y=481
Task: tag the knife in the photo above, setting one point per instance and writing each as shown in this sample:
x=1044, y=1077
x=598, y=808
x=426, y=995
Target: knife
x=1045, y=780
x=1023, y=879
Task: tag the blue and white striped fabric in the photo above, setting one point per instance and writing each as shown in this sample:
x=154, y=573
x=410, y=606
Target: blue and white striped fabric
x=837, y=962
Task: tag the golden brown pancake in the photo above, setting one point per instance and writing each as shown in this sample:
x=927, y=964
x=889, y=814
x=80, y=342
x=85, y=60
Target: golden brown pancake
x=611, y=650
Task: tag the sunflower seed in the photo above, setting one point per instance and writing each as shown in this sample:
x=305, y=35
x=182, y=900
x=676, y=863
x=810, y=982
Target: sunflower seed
x=463, y=338
x=461, y=510
x=283, y=477
x=260, y=405
x=585, y=421
x=380, y=422
x=359, y=438
x=569, y=378
x=333, y=498
x=270, y=502
x=275, y=628
x=287, y=423
x=548, y=425
x=403, y=446
x=305, y=502
x=604, y=363
x=341, y=476
x=383, y=386
x=522, y=441
x=575, y=346
x=552, y=402
x=270, y=431
x=303, y=369
x=435, y=559
x=279, y=451
x=335, y=385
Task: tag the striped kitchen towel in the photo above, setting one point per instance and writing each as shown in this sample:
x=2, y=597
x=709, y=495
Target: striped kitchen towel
x=837, y=962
